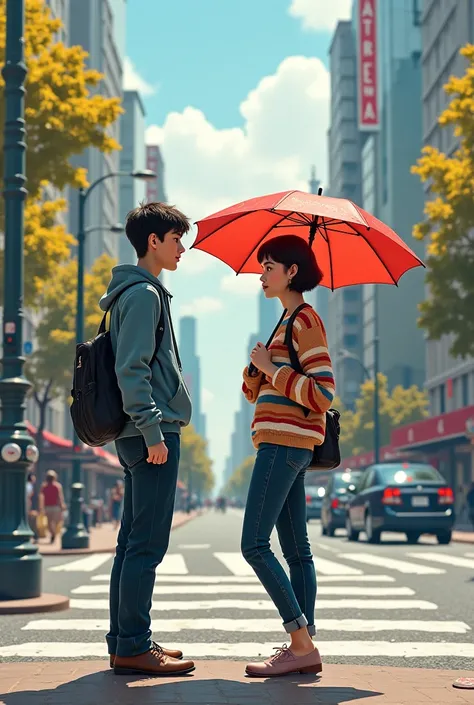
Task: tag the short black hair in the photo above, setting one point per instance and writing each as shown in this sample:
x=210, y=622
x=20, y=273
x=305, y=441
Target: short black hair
x=291, y=249
x=158, y=218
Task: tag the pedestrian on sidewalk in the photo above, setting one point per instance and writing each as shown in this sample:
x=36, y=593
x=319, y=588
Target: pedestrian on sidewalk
x=470, y=504
x=52, y=504
x=285, y=439
x=116, y=503
x=158, y=404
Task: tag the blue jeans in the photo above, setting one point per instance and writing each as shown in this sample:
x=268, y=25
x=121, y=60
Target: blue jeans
x=142, y=542
x=277, y=497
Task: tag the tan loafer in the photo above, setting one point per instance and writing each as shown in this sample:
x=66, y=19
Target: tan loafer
x=284, y=662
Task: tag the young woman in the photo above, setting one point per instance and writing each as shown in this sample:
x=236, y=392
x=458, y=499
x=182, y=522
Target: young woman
x=285, y=438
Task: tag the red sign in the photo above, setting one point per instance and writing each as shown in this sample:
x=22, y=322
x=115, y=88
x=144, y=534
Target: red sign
x=455, y=424
x=367, y=65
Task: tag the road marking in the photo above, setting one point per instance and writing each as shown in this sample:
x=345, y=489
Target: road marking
x=83, y=565
x=224, y=579
x=445, y=559
x=259, y=605
x=392, y=563
x=172, y=626
x=237, y=565
x=344, y=590
x=173, y=564
x=410, y=649
x=194, y=546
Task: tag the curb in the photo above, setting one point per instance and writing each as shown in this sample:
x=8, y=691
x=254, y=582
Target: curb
x=44, y=603
x=87, y=551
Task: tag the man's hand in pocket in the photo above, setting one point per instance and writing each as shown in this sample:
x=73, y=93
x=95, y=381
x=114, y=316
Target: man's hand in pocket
x=158, y=454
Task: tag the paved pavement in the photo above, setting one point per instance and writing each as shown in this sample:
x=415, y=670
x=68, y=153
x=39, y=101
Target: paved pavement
x=392, y=605
x=102, y=539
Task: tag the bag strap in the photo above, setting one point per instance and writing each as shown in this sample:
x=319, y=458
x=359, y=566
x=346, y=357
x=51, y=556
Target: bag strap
x=252, y=368
x=105, y=322
x=295, y=362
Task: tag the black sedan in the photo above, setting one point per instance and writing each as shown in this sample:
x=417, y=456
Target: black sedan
x=413, y=498
x=333, y=511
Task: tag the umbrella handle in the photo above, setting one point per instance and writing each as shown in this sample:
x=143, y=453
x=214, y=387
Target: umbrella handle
x=314, y=223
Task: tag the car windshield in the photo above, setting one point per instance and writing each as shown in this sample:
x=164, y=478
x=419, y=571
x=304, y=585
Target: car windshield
x=345, y=480
x=408, y=472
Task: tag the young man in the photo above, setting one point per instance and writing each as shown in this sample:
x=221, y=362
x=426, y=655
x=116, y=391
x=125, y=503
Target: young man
x=157, y=401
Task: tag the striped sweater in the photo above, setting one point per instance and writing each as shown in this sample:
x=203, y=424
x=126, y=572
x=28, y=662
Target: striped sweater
x=279, y=417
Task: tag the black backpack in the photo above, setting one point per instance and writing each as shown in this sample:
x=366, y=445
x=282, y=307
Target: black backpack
x=328, y=455
x=97, y=408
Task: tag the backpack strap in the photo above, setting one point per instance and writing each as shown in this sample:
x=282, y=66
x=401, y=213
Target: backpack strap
x=295, y=362
x=252, y=368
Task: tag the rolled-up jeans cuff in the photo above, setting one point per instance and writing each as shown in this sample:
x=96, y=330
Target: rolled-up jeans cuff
x=295, y=624
x=311, y=630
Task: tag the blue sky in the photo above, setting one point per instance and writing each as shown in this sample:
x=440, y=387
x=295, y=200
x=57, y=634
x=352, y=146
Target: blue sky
x=237, y=94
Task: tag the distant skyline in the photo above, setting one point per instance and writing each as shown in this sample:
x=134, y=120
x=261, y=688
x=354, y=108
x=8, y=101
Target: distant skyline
x=237, y=95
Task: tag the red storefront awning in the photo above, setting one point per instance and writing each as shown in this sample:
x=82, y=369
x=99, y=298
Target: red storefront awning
x=57, y=443
x=455, y=424
x=50, y=438
x=365, y=459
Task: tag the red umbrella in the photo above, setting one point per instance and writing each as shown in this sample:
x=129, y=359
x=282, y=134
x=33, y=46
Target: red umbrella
x=351, y=246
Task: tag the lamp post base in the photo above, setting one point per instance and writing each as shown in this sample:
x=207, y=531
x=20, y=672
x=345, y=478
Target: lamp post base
x=75, y=535
x=21, y=573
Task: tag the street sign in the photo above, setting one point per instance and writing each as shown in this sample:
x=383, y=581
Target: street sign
x=28, y=347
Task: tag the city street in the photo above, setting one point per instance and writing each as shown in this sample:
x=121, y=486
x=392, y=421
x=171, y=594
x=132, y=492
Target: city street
x=389, y=605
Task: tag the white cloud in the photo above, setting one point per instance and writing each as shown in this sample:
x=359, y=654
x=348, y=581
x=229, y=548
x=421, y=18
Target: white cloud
x=154, y=135
x=202, y=306
x=132, y=81
x=194, y=261
x=286, y=118
x=242, y=285
x=207, y=398
x=320, y=15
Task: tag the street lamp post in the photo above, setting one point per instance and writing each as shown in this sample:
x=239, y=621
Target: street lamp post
x=76, y=535
x=20, y=562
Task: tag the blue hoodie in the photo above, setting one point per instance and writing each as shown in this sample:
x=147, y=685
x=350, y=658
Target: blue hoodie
x=154, y=393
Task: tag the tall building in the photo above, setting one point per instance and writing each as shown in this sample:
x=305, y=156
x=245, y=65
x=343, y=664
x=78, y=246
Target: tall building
x=392, y=193
x=447, y=25
x=344, y=306
x=132, y=158
x=192, y=369
x=155, y=189
x=60, y=11
x=99, y=26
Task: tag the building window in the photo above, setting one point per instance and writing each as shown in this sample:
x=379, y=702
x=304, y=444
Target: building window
x=351, y=319
x=442, y=399
x=351, y=341
x=465, y=390
x=351, y=295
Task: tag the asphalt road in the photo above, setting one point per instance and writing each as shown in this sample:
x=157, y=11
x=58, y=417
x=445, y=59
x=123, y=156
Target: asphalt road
x=391, y=605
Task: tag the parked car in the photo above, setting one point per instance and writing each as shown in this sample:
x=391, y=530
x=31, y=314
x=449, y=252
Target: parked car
x=314, y=500
x=413, y=498
x=333, y=511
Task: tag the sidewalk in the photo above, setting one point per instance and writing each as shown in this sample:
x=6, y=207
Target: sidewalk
x=103, y=539
x=224, y=683
x=463, y=536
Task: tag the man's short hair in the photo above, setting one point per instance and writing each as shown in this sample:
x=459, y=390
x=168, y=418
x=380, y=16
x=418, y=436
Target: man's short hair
x=158, y=218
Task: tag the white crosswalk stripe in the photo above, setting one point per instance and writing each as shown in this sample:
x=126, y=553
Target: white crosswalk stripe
x=252, y=590
x=83, y=565
x=187, y=605
x=392, y=564
x=57, y=649
x=444, y=559
x=171, y=626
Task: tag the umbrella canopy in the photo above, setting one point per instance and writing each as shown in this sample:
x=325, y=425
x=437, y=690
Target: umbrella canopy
x=351, y=246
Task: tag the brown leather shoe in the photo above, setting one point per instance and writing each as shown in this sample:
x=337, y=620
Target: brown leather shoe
x=174, y=653
x=152, y=663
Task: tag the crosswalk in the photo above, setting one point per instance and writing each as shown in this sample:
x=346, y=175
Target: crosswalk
x=228, y=614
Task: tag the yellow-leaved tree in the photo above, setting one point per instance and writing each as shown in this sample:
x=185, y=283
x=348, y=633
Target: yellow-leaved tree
x=238, y=483
x=449, y=225
x=195, y=466
x=64, y=115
